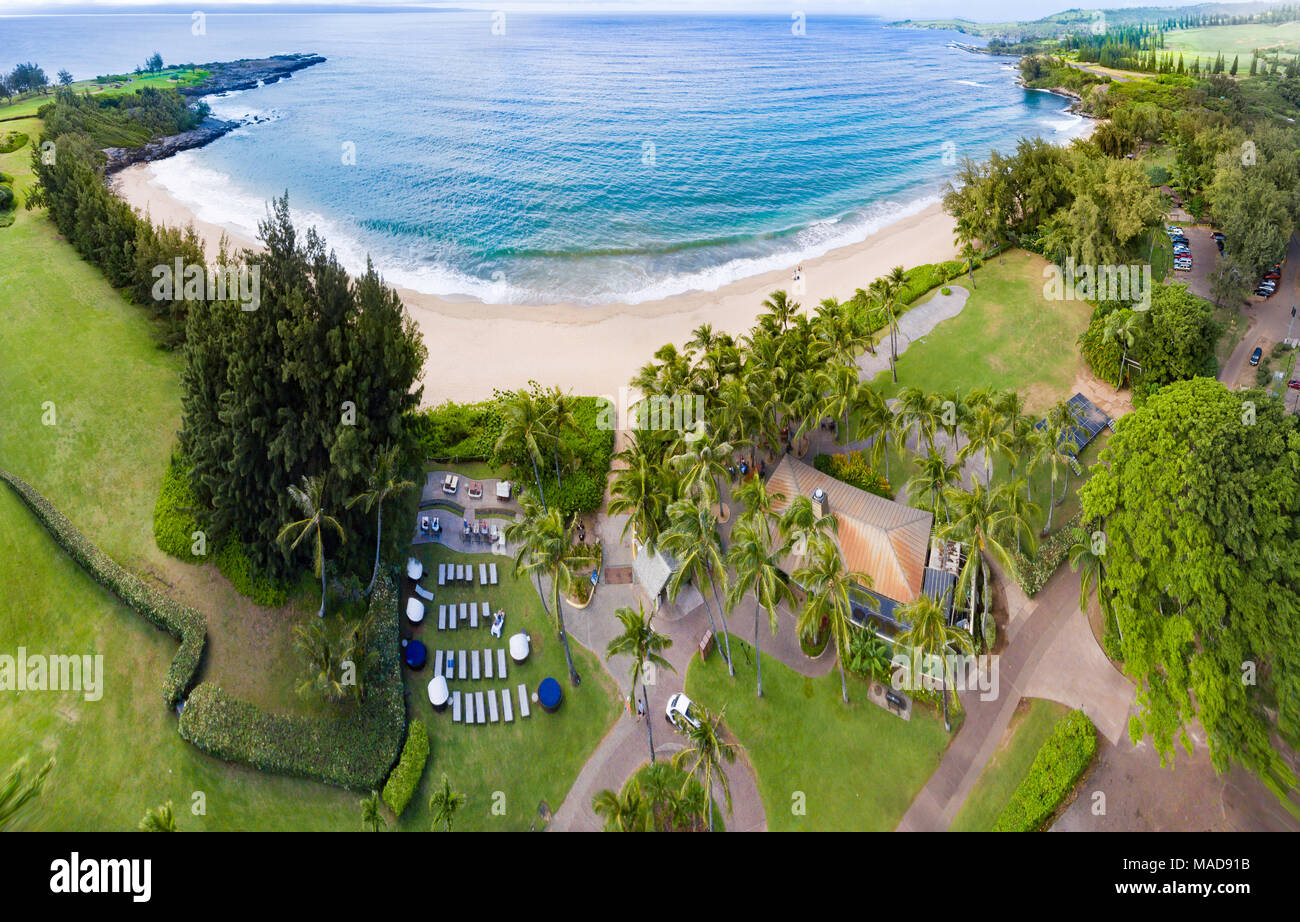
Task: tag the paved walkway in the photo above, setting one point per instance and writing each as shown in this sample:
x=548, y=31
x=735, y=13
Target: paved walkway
x=1269, y=320
x=912, y=326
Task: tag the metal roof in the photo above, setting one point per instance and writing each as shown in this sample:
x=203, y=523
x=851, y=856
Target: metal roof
x=887, y=540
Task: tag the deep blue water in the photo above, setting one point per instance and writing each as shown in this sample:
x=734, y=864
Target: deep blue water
x=576, y=157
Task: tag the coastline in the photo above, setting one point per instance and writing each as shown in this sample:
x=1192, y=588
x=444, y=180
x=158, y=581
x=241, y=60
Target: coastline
x=476, y=347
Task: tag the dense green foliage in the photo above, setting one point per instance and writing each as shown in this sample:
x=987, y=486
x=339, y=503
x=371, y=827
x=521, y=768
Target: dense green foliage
x=405, y=779
x=1199, y=492
x=1061, y=761
x=121, y=120
x=355, y=748
x=1172, y=341
x=185, y=624
x=457, y=431
x=1035, y=571
x=855, y=469
x=12, y=141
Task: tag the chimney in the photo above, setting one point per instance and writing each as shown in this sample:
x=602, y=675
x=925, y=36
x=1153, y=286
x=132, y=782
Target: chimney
x=819, y=502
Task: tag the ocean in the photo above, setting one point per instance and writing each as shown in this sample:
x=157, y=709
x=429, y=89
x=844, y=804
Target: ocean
x=539, y=158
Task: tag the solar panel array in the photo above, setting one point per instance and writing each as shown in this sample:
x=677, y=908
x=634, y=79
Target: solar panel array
x=1090, y=420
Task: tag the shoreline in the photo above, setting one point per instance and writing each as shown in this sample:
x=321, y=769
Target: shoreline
x=476, y=347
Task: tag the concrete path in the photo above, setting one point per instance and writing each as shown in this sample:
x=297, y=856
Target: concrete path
x=912, y=326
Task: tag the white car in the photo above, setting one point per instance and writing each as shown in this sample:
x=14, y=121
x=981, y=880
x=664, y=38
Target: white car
x=680, y=712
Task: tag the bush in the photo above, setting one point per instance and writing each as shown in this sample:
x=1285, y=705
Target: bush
x=405, y=779
x=174, y=523
x=235, y=565
x=6, y=198
x=14, y=140
x=1035, y=573
x=856, y=471
x=457, y=431
x=1062, y=760
x=180, y=621
x=945, y=290
x=1158, y=175
x=355, y=749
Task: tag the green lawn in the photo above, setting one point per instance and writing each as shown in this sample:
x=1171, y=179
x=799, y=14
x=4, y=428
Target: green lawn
x=28, y=105
x=1235, y=40
x=532, y=760
x=1008, y=336
x=1028, y=730
x=857, y=766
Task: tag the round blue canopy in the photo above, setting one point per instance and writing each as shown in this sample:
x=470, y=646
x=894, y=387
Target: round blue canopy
x=549, y=694
x=416, y=654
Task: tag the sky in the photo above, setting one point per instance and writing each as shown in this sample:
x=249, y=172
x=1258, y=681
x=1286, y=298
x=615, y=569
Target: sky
x=978, y=10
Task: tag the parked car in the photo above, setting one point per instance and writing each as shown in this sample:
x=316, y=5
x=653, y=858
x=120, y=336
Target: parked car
x=1256, y=355
x=1294, y=384
x=1218, y=235
x=1263, y=293
x=680, y=712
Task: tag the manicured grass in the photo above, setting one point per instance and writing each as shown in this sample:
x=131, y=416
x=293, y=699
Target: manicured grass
x=857, y=766
x=1234, y=40
x=28, y=105
x=1029, y=729
x=532, y=760
x=1008, y=336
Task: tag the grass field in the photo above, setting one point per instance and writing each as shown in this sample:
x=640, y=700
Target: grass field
x=857, y=766
x=519, y=765
x=1029, y=729
x=1235, y=40
x=172, y=77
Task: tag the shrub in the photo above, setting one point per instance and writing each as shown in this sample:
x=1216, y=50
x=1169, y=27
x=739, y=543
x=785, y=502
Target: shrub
x=405, y=779
x=1061, y=761
x=235, y=565
x=180, y=621
x=6, y=198
x=356, y=748
x=14, y=140
x=1158, y=175
x=1035, y=573
x=945, y=290
x=856, y=471
x=457, y=431
x=174, y=523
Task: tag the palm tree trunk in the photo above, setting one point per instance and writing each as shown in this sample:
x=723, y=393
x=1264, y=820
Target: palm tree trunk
x=726, y=634
x=574, y=679
x=649, y=730
x=758, y=657
x=538, y=479
x=321, y=613
x=379, y=538
x=844, y=687
x=1120, y=381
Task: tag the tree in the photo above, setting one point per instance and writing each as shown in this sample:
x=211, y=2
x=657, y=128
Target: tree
x=161, y=818
x=154, y=63
x=18, y=789
x=372, y=817
x=625, y=811
x=781, y=309
x=560, y=420
x=323, y=661
x=640, y=641
x=1199, y=490
x=1087, y=558
x=641, y=491
x=829, y=587
x=444, y=803
x=384, y=481
x=309, y=498
x=693, y=541
x=65, y=78
x=755, y=558
x=547, y=546
x=984, y=519
x=934, y=475
x=987, y=435
x=1119, y=328
x=704, y=756
x=929, y=633
x=525, y=423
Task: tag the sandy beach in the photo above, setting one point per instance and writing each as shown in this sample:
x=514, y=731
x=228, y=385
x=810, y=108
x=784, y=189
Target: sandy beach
x=475, y=347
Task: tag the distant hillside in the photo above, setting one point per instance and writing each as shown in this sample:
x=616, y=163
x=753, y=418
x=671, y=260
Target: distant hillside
x=1076, y=20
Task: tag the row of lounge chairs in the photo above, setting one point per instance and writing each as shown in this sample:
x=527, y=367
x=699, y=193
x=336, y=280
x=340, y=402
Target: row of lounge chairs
x=481, y=707
x=464, y=573
x=467, y=665
x=461, y=614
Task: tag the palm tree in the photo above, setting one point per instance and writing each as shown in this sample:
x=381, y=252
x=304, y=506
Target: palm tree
x=1090, y=564
x=934, y=475
x=880, y=421
x=324, y=661
x=524, y=423
x=829, y=587
x=840, y=384
x=17, y=790
x=310, y=498
x=968, y=256
x=161, y=818
x=895, y=282
x=444, y=803
x=781, y=309
x=640, y=641
x=983, y=519
x=384, y=481
x=547, y=546
x=803, y=527
x=1119, y=327
x=702, y=465
x=639, y=491
x=1062, y=419
x=755, y=560
x=693, y=541
x=623, y=812
x=919, y=410
x=929, y=633
x=986, y=434
x=372, y=817
x=559, y=408
x=704, y=756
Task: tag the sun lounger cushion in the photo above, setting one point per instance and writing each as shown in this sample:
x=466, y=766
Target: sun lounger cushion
x=469, y=707
x=455, y=706
x=438, y=663
x=423, y=593
x=461, y=657
x=478, y=707
x=501, y=662
x=492, y=573
x=487, y=614
x=463, y=613
x=507, y=709
x=473, y=658
x=523, y=700
x=492, y=705
x=473, y=614
x=487, y=664
x=442, y=617
x=442, y=574
x=482, y=574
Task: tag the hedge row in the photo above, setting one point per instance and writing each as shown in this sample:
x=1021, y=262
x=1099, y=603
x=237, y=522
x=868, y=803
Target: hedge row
x=355, y=749
x=180, y=621
x=1035, y=573
x=405, y=779
x=1062, y=760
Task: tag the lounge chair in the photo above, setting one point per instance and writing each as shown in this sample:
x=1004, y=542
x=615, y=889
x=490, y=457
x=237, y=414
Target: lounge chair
x=482, y=574
x=523, y=701
x=442, y=617
x=478, y=706
x=461, y=657
x=423, y=593
x=438, y=663
x=487, y=664
x=442, y=574
x=507, y=709
x=473, y=614
x=486, y=614
x=464, y=615
x=492, y=705
x=459, y=568
x=473, y=659
x=501, y=662
x=492, y=573
x=469, y=707
x=455, y=707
